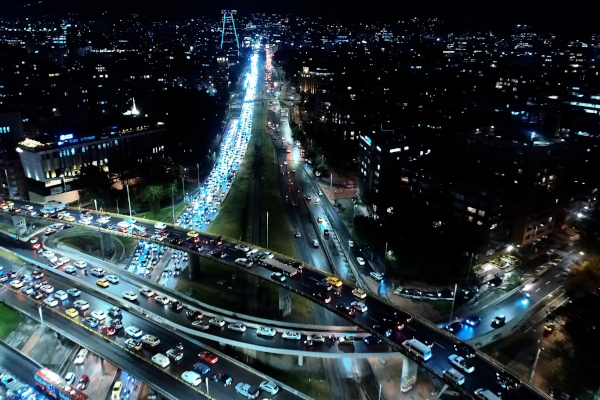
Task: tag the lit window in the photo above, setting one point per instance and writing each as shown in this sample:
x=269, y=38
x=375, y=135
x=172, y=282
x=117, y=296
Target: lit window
x=481, y=213
x=493, y=226
x=471, y=210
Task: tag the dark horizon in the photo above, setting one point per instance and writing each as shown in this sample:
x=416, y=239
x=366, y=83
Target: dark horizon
x=549, y=16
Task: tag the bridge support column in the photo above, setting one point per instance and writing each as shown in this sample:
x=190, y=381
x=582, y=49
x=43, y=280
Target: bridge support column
x=285, y=303
x=409, y=374
x=300, y=361
x=252, y=294
x=193, y=266
x=107, y=247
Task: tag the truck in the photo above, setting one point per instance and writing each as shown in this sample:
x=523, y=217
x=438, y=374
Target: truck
x=278, y=266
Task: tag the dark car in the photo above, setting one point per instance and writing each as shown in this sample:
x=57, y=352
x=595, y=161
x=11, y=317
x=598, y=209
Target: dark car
x=38, y=295
x=218, y=254
x=324, y=285
x=464, y=350
x=194, y=315
x=472, y=320
x=196, y=248
x=116, y=323
x=176, y=241
x=499, y=321
x=369, y=340
x=224, y=379
x=176, y=306
x=115, y=312
x=345, y=310
x=384, y=330
x=202, y=368
x=495, y=281
x=89, y=321
x=323, y=297
x=454, y=327
x=507, y=380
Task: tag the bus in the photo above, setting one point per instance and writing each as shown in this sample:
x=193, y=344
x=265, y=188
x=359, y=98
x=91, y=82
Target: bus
x=417, y=348
x=278, y=266
x=56, y=387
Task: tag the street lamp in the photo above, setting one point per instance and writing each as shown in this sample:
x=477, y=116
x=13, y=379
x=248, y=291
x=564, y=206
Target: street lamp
x=128, y=199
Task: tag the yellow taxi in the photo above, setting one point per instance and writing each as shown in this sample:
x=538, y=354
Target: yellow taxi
x=102, y=283
x=193, y=234
x=116, y=392
x=333, y=281
x=361, y=294
x=71, y=312
x=319, y=219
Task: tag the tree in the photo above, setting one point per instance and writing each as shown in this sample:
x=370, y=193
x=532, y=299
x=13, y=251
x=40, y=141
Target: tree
x=154, y=194
x=94, y=184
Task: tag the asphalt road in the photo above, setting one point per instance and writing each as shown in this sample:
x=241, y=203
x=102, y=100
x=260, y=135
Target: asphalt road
x=276, y=344
x=112, y=347
x=306, y=284
x=515, y=305
x=18, y=365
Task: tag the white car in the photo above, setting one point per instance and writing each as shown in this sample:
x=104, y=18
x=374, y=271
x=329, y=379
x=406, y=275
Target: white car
x=191, y=377
x=238, y=327
x=360, y=260
x=131, y=296
x=243, y=262
x=47, y=288
x=61, y=295
x=376, y=275
x=133, y=331
x=217, y=322
x=81, y=356
x=16, y=284
x=269, y=387
x=53, y=259
x=242, y=247
x=104, y=220
x=64, y=260
x=164, y=300
x=99, y=272
x=147, y=292
x=461, y=363
x=48, y=254
x=85, y=221
x=70, y=378
x=160, y=225
x=81, y=304
x=266, y=331
x=123, y=224
x=293, y=335
x=99, y=315
x=80, y=264
x=359, y=306
x=112, y=278
x=51, y=301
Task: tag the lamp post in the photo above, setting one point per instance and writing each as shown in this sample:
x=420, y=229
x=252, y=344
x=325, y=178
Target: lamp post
x=198, y=168
x=183, y=185
x=128, y=199
x=267, y=229
x=96, y=204
x=173, y=201
x=453, y=300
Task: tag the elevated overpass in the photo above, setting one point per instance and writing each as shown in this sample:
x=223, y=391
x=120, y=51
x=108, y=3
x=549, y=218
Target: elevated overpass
x=442, y=343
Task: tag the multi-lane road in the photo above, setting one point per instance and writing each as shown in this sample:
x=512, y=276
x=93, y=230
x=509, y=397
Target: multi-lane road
x=308, y=284
x=114, y=349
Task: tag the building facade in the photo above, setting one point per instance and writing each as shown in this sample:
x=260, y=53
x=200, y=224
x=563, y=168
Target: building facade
x=52, y=167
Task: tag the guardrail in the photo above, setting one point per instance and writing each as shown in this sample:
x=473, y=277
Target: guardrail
x=387, y=340
x=218, y=311
x=165, y=323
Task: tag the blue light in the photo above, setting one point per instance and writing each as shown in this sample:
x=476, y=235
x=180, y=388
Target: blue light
x=525, y=302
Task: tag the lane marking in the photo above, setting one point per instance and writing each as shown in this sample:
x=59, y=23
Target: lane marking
x=537, y=290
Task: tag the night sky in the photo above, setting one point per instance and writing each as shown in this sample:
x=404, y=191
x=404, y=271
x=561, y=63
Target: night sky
x=565, y=17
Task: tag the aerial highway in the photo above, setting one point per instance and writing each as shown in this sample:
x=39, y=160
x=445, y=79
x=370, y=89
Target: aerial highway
x=309, y=283
x=111, y=344
x=166, y=311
